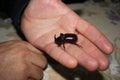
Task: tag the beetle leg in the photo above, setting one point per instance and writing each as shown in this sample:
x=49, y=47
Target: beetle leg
x=55, y=36
x=64, y=46
x=78, y=45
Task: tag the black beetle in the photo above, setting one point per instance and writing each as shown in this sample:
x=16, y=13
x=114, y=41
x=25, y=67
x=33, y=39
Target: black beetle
x=66, y=38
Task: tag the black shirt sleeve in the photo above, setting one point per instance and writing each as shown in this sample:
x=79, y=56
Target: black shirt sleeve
x=14, y=9
x=16, y=15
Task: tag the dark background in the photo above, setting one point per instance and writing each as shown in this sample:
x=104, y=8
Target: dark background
x=73, y=1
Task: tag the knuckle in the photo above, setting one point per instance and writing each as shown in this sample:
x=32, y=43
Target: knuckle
x=17, y=43
x=20, y=43
x=18, y=53
x=23, y=67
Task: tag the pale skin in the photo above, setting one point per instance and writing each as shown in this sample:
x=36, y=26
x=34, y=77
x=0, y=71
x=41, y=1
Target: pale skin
x=19, y=60
x=42, y=19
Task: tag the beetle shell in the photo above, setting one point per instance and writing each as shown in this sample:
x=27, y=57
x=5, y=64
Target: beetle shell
x=70, y=38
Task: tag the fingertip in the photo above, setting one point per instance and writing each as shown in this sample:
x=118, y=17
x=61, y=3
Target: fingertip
x=104, y=65
x=72, y=63
x=109, y=48
x=93, y=66
x=69, y=63
x=106, y=46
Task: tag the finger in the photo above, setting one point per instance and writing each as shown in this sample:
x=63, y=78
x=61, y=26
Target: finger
x=94, y=35
x=36, y=59
x=93, y=51
x=35, y=72
x=82, y=57
x=60, y=55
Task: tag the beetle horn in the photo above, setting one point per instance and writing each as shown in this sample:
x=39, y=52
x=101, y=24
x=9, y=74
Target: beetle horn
x=61, y=33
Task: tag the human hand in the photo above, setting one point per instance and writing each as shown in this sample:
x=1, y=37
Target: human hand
x=42, y=19
x=20, y=61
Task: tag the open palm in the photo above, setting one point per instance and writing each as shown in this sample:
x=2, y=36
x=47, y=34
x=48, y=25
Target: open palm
x=43, y=19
